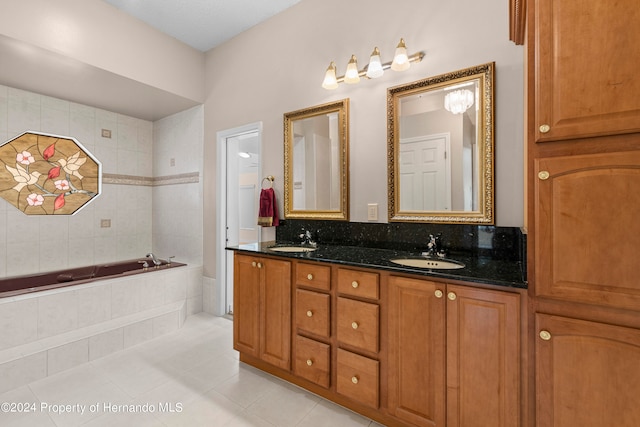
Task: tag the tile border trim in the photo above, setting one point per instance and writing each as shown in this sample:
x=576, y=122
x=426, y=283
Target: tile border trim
x=183, y=178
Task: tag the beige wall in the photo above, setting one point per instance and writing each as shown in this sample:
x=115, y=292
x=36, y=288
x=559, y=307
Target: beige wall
x=278, y=66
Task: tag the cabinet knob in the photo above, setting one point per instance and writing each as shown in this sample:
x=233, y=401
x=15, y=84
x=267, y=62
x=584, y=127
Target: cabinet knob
x=543, y=175
x=438, y=293
x=309, y=362
x=545, y=335
x=253, y=264
x=354, y=325
x=452, y=296
x=354, y=379
x=309, y=313
x=354, y=284
x=310, y=276
x=545, y=128
x=259, y=265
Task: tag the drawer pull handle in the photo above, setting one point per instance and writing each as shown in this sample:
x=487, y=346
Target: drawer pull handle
x=354, y=325
x=310, y=276
x=545, y=335
x=452, y=296
x=253, y=264
x=438, y=293
x=309, y=362
x=354, y=379
x=354, y=284
x=309, y=313
x=543, y=175
x=259, y=265
x=545, y=128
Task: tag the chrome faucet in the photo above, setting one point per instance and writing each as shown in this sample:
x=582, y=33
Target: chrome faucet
x=155, y=260
x=434, y=247
x=307, y=238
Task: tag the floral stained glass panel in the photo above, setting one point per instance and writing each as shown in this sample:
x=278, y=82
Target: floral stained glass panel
x=43, y=174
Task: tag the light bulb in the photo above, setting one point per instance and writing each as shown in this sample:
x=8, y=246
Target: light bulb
x=401, y=59
x=330, y=81
x=374, y=70
x=352, y=74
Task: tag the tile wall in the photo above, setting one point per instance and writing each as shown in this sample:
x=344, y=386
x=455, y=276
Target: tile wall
x=33, y=244
x=155, y=208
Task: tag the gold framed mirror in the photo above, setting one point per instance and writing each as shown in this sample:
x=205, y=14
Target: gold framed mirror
x=440, y=148
x=316, y=162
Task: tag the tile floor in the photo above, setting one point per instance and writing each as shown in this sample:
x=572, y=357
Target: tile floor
x=191, y=377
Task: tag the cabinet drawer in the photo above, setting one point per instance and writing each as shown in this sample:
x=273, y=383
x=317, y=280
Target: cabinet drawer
x=358, y=324
x=315, y=276
x=358, y=283
x=358, y=378
x=312, y=312
x=312, y=361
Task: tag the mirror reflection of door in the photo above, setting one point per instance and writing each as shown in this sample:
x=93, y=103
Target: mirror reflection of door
x=425, y=183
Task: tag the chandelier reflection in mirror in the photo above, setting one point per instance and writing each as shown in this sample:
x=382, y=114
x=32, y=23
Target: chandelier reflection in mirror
x=458, y=101
x=401, y=61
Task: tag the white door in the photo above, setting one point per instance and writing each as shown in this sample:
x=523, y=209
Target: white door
x=238, y=195
x=425, y=182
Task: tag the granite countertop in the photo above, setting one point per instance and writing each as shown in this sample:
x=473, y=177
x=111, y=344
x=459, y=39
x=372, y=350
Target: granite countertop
x=477, y=269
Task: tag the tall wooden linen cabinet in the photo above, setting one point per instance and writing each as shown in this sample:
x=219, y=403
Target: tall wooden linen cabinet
x=583, y=211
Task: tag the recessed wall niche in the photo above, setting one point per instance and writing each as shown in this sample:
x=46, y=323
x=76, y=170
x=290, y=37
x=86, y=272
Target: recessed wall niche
x=44, y=174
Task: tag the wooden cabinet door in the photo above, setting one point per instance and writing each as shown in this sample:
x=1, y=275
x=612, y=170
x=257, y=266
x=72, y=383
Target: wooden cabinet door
x=586, y=373
x=416, y=365
x=275, y=308
x=585, y=63
x=587, y=228
x=483, y=358
x=246, y=295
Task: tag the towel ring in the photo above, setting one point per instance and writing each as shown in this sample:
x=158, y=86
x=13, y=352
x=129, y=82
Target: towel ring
x=269, y=178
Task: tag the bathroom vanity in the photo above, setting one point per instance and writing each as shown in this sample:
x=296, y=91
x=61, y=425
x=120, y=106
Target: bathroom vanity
x=405, y=346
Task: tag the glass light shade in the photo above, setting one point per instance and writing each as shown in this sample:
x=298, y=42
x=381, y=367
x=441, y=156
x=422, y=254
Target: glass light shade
x=400, y=59
x=330, y=81
x=352, y=74
x=374, y=69
x=458, y=101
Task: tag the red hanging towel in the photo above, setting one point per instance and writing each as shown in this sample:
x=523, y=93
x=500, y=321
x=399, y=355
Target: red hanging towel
x=268, y=212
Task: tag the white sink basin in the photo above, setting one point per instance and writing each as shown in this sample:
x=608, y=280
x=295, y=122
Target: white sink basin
x=292, y=249
x=435, y=264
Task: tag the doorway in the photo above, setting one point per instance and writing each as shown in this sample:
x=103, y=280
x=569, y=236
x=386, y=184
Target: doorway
x=237, y=199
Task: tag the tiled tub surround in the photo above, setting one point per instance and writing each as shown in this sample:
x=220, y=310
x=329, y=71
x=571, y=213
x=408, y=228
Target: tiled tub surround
x=53, y=330
x=492, y=255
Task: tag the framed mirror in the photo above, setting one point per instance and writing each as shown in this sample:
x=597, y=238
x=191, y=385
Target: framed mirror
x=441, y=147
x=316, y=162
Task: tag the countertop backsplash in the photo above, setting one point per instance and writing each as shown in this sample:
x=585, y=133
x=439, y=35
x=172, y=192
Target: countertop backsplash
x=507, y=243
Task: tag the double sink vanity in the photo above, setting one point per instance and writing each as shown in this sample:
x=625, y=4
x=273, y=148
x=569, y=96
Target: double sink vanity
x=405, y=345
x=385, y=319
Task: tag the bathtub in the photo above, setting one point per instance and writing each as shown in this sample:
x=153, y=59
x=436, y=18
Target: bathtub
x=12, y=286
x=50, y=322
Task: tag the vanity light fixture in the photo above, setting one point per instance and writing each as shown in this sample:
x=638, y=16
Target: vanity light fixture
x=375, y=68
x=400, y=59
x=458, y=101
x=352, y=75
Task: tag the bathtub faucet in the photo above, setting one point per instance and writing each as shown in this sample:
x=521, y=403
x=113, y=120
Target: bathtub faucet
x=155, y=260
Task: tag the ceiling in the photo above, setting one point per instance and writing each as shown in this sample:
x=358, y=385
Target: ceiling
x=202, y=24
